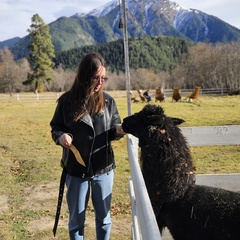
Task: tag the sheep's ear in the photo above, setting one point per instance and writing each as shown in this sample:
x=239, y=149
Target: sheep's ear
x=177, y=121
x=154, y=120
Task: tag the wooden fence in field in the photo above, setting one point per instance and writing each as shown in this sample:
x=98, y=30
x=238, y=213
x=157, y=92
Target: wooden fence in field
x=30, y=96
x=116, y=94
x=144, y=225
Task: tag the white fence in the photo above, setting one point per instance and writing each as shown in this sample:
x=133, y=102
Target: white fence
x=144, y=222
x=30, y=96
x=144, y=225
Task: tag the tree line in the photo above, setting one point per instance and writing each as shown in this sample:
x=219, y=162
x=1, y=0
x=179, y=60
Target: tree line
x=154, y=53
x=168, y=62
x=209, y=66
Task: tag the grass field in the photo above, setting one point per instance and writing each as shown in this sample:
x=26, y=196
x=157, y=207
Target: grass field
x=30, y=170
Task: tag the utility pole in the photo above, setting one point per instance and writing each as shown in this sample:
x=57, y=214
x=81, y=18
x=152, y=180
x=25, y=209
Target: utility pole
x=126, y=57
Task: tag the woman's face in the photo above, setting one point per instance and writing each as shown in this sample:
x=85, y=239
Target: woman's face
x=99, y=79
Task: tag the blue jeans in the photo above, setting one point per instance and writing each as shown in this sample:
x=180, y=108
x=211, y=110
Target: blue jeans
x=78, y=192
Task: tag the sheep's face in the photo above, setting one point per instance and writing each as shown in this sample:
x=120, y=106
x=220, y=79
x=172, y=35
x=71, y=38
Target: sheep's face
x=151, y=117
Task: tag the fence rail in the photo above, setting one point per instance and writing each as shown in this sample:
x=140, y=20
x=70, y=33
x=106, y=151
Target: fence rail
x=30, y=96
x=184, y=92
x=144, y=225
x=116, y=94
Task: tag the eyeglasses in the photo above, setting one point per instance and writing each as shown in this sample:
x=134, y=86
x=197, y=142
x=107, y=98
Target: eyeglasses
x=97, y=79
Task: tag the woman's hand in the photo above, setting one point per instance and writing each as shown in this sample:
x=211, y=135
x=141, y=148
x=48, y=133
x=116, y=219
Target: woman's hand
x=119, y=129
x=65, y=140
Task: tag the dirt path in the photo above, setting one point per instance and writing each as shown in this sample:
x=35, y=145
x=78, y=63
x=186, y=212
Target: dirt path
x=43, y=198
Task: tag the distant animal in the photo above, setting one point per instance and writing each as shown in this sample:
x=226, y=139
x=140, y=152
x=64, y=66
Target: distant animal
x=189, y=211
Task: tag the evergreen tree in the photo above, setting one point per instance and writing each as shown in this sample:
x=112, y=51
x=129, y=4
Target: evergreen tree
x=41, y=53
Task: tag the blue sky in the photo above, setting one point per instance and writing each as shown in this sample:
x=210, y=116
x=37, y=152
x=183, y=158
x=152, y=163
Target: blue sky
x=15, y=15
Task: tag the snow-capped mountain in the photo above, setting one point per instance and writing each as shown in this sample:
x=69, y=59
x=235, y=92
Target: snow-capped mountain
x=101, y=11
x=144, y=18
x=104, y=10
x=164, y=17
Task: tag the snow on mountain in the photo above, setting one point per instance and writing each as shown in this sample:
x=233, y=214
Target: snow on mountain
x=168, y=8
x=181, y=18
x=144, y=18
x=184, y=17
x=101, y=11
x=136, y=7
x=143, y=14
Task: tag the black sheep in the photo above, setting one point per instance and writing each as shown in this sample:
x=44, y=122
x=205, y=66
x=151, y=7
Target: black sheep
x=190, y=211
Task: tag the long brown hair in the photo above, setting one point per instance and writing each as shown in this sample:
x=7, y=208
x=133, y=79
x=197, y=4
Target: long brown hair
x=83, y=98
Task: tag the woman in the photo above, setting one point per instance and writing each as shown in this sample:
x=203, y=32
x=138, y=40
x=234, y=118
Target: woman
x=85, y=122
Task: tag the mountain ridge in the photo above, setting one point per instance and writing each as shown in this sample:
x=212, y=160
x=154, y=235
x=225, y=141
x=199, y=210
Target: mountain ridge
x=145, y=18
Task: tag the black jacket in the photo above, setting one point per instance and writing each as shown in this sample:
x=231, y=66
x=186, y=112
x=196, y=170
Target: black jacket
x=92, y=137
